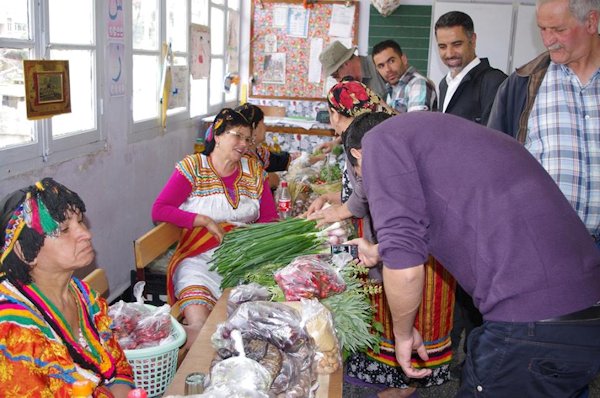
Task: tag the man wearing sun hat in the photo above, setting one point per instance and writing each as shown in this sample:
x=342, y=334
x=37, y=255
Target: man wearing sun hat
x=339, y=61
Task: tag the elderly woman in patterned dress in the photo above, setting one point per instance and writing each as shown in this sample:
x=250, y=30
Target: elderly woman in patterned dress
x=54, y=330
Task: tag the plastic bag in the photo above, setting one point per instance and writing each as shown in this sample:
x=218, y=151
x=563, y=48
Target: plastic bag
x=139, y=326
x=239, y=373
x=309, y=277
x=281, y=326
x=319, y=324
x=244, y=293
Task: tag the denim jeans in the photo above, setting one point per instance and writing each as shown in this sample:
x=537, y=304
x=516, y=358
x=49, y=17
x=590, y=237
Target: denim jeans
x=536, y=359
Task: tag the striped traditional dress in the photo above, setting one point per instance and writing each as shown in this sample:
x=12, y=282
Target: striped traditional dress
x=189, y=279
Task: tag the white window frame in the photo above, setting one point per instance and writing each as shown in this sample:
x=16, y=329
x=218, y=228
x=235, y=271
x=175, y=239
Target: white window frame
x=151, y=128
x=46, y=150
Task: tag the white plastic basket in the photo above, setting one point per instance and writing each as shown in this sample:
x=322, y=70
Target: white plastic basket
x=154, y=367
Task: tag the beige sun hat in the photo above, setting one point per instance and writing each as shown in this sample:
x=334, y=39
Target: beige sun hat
x=334, y=56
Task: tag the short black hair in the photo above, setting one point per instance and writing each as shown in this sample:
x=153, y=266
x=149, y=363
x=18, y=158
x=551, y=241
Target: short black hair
x=456, y=18
x=383, y=45
x=252, y=113
x=357, y=130
x=57, y=199
x=225, y=120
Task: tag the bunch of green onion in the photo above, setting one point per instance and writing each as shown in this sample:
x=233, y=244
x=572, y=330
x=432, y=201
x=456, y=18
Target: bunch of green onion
x=245, y=249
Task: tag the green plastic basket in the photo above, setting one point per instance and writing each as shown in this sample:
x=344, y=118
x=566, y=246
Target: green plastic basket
x=154, y=367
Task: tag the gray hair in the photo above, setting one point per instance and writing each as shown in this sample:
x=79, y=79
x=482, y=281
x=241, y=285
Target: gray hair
x=579, y=8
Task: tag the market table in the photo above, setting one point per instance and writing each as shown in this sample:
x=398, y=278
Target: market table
x=201, y=353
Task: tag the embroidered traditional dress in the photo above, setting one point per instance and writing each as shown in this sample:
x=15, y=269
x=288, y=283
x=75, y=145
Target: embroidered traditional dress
x=232, y=199
x=37, y=348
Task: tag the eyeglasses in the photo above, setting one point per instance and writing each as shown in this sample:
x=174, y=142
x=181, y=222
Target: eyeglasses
x=249, y=140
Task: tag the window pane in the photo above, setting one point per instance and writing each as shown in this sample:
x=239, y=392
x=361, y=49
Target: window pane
x=198, y=97
x=83, y=93
x=146, y=79
x=200, y=12
x=217, y=18
x=177, y=24
x=145, y=24
x=234, y=4
x=216, y=81
x=14, y=22
x=15, y=129
x=218, y=1
x=71, y=21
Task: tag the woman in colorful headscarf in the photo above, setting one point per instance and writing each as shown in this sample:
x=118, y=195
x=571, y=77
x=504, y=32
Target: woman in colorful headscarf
x=53, y=329
x=205, y=193
x=347, y=101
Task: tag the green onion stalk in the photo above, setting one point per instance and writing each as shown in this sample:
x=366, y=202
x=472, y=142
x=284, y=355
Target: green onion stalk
x=246, y=249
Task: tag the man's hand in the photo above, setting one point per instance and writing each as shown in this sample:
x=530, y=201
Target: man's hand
x=368, y=253
x=405, y=345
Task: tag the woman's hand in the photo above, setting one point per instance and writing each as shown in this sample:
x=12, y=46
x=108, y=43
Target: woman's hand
x=326, y=147
x=405, y=345
x=213, y=227
x=316, y=205
x=368, y=253
x=330, y=214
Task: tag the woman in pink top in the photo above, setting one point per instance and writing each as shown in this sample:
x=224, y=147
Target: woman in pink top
x=206, y=193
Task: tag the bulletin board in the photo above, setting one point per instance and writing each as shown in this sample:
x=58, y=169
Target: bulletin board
x=292, y=80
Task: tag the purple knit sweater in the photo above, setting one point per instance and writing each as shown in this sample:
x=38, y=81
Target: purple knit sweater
x=480, y=203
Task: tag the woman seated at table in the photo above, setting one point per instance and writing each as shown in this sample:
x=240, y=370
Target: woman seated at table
x=221, y=185
x=53, y=329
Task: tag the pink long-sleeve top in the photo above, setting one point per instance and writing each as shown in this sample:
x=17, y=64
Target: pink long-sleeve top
x=176, y=191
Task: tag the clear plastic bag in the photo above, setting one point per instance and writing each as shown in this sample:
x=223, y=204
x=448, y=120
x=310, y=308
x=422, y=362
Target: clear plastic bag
x=281, y=326
x=241, y=376
x=319, y=324
x=139, y=326
x=244, y=293
x=309, y=277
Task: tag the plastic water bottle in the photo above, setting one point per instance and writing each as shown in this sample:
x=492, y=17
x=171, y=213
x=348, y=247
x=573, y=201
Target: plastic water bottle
x=284, y=201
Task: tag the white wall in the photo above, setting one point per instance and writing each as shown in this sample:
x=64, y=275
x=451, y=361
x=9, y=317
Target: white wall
x=118, y=186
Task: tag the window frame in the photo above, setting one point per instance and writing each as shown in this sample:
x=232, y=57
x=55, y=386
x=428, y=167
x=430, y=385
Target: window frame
x=148, y=129
x=45, y=150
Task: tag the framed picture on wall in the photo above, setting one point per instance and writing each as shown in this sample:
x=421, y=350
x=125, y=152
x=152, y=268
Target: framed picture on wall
x=47, y=88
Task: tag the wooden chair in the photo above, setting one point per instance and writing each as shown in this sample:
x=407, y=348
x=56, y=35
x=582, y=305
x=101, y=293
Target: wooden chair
x=97, y=281
x=153, y=244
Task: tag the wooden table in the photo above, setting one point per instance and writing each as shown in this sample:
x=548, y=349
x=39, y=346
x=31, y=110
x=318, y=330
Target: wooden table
x=202, y=352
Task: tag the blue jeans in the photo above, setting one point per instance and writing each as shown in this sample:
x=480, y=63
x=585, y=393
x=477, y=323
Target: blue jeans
x=536, y=359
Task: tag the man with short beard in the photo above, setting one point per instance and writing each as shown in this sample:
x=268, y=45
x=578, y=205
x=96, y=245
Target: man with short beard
x=407, y=89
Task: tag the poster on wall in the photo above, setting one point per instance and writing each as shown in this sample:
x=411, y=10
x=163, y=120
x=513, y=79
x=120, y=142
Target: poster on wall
x=116, y=83
x=178, y=94
x=298, y=22
x=274, y=68
x=47, y=88
x=115, y=19
x=200, y=51
x=342, y=19
x=233, y=45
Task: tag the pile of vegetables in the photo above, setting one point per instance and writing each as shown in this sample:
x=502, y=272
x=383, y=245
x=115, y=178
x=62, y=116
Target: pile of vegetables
x=329, y=174
x=245, y=249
